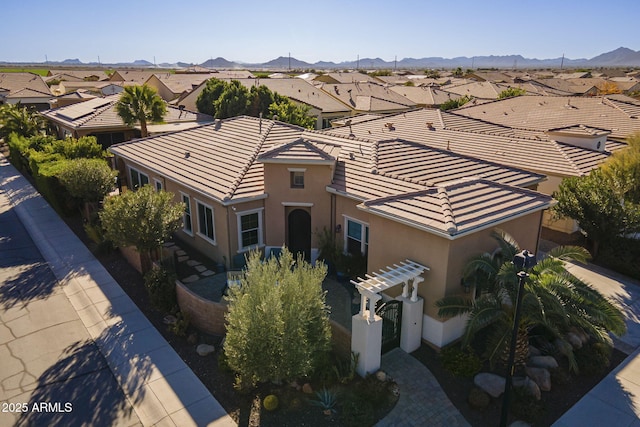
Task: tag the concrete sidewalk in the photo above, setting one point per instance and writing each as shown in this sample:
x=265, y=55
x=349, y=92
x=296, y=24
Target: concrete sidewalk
x=615, y=401
x=157, y=384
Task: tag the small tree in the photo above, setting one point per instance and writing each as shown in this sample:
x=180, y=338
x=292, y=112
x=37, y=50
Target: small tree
x=89, y=180
x=232, y=101
x=210, y=93
x=289, y=112
x=144, y=218
x=511, y=92
x=278, y=322
x=140, y=104
x=455, y=103
x=598, y=208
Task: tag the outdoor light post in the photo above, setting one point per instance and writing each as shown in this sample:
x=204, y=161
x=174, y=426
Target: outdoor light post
x=522, y=261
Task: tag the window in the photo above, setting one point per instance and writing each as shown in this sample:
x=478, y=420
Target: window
x=205, y=222
x=138, y=179
x=297, y=179
x=357, y=237
x=186, y=217
x=249, y=229
x=158, y=184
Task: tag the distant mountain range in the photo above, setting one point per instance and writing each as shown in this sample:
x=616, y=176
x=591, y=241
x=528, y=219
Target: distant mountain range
x=621, y=57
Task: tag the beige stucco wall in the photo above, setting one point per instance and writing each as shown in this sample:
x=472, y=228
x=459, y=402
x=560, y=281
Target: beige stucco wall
x=282, y=198
x=564, y=225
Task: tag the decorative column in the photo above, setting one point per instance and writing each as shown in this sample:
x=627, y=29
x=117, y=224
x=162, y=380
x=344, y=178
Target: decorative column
x=366, y=334
x=412, y=314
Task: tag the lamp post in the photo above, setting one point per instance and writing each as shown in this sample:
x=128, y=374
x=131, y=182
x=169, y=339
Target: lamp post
x=522, y=261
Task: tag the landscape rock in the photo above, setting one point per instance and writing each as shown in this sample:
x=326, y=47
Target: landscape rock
x=205, y=349
x=548, y=362
x=584, y=337
x=169, y=320
x=574, y=340
x=529, y=386
x=491, y=383
x=563, y=347
x=540, y=376
x=192, y=338
x=306, y=388
x=533, y=351
x=381, y=376
x=519, y=423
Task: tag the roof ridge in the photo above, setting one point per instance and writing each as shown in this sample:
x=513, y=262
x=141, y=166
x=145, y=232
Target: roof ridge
x=447, y=210
x=566, y=157
x=96, y=112
x=256, y=152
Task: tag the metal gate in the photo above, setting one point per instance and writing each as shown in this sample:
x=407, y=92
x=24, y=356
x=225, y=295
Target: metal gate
x=391, y=313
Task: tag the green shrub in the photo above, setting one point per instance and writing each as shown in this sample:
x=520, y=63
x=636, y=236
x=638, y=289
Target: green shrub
x=373, y=390
x=511, y=92
x=454, y=103
x=593, y=359
x=181, y=326
x=525, y=406
x=621, y=255
x=86, y=147
x=357, y=411
x=270, y=402
x=478, y=398
x=461, y=363
x=88, y=180
x=161, y=286
x=345, y=370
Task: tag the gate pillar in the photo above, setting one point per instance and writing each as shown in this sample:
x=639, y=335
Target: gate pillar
x=366, y=336
x=411, y=328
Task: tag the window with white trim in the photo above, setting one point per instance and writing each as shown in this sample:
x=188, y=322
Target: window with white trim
x=356, y=237
x=249, y=229
x=297, y=179
x=158, y=184
x=138, y=179
x=186, y=217
x=205, y=222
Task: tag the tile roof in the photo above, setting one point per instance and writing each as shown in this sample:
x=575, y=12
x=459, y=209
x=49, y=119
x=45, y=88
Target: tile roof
x=618, y=114
x=425, y=95
x=301, y=150
x=28, y=93
x=523, y=149
x=345, y=77
x=217, y=160
x=101, y=113
x=13, y=82
x=458, y=208
x=367, y=97
x=179, y=83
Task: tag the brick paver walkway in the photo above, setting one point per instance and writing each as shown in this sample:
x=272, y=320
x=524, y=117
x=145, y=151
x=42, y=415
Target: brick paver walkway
x=422, y=401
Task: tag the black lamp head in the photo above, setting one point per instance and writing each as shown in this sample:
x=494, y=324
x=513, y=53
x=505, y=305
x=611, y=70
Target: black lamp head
x=524, y=260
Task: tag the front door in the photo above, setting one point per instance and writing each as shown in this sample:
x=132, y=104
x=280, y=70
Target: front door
x=299, y=232
x=391, y=313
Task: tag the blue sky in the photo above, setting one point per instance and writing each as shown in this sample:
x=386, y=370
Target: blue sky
x=329, y=30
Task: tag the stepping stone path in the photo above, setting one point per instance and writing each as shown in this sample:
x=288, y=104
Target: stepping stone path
x=207, y=273
x=200, y=268
x=193, y=263
x=182, y=256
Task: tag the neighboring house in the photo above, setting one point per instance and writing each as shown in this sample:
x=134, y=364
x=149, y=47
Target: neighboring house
x=558, y=153
x=98, y=117
x=368, y=97
x=425, y=96
x=490, y=76
x=171, y=86
x=132, y=77
x=77, y=75
x=568, y=87
x=28, y=89
x=100, y=88
x=321, y=106
x=618, y=114
x=353, y=77
x=72, y=98
x=626, y=84
x=256, y=184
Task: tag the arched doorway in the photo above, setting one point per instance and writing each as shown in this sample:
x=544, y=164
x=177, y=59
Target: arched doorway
x=299, y=232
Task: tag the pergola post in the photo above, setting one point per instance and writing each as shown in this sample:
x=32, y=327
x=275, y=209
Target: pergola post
x=366, y=335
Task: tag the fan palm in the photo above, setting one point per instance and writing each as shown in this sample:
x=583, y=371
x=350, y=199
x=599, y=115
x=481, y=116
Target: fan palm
x=14, y=118
x=140, y=104
x=553, y=301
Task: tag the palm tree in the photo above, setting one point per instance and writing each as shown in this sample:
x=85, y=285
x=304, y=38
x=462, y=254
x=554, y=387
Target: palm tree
x=140, y=104
x=18, y=119
x=554, y=301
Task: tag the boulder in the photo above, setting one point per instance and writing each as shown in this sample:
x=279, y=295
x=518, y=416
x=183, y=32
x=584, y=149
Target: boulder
x=491, y=383
x=540, y=376
x=563, y=347
x=519, y=423
x=533, y=351
x=306, y=388
x=529, y=386
x=547, y=362
x=205, y=349
x=381, y=376
x=574, y=340
x=584, y=337
x=169, y=320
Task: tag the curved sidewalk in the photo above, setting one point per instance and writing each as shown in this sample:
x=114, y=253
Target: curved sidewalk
x=158, y=385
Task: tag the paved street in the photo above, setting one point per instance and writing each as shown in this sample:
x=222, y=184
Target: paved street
x=47, y=354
